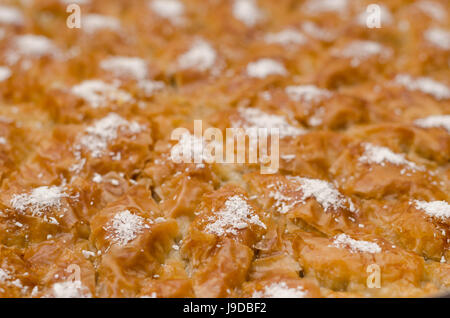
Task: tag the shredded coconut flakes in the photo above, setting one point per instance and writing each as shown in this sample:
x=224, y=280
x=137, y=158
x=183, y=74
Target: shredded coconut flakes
x=256, y=118
x=4, y=275
x=283, y=204
x=438, y=37
x=201, y=56
x=70, y=289
x=98, y=93
x=319, y=6
x=286, y=37
x=172, y=10
x=356, y=246
x=236, y=215
x=382, y=155
x=92, y=23
x=125, y=227
x=149, y=87
x=359, y=51
x=33, y=46
x=97, y=178
x=324, y=193
x=190, y=146
x=247, y=12
x=317, y=32
x=437, y=209
x=10, y=15
x=5, y=73
x=265, y=67
x=280, y=290
x=385, y=16
x=7, y=278
x=436, y=121
x=80, y=2
x=105, y=130
x=425, y=85
x=39, y=200
x=307, y=93
x=126, y=66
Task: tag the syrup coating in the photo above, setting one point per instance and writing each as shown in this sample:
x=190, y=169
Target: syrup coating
x=92, y=203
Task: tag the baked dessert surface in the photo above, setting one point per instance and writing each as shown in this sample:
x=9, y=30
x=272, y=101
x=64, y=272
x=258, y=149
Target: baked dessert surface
x=92, y=204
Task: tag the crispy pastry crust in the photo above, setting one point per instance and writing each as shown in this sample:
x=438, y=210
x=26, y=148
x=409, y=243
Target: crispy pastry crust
x=88, y=186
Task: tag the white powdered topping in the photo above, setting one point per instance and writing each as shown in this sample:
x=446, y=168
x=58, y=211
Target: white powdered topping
x=433, y=9
x=355, y=246
x=438, y=37
x=437, y=209
x=87, y=254
x=236, y=215
x=189, y=146
x=97, y=178
x=70, y=289
x=4, y=275
x=125, y=227
x=126, y=66
x=286, y=37
x=7, y=278
x=382, y=155
x=425, y=85
x=149, y=87
x=265, y=67
x=385, y=16
x=247, y=12
x=317, y=118
x=307, y=93
x=201, y=56
x=256, y=118
x=280, y=290
x=283, y=204
x=105, y=130
x=5, y=73
x=98, y=93
x=437, y=121
x=39, y=200
x=80, y=2
x=316, y=32
x=359, y=51
x=172, y=10
x=324, y=192
x=10, y=15
x=34, y=46
x=319, y=6
x=92, y=23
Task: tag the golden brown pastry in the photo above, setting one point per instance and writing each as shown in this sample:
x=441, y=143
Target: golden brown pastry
x=93, y=204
